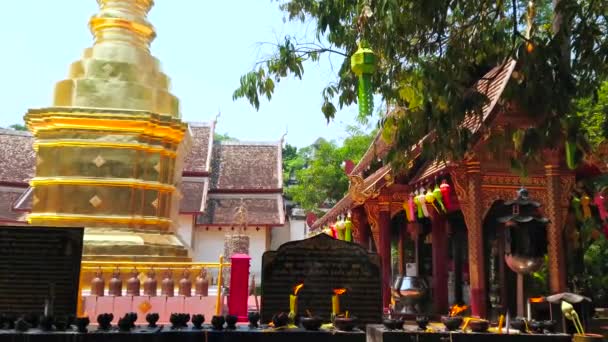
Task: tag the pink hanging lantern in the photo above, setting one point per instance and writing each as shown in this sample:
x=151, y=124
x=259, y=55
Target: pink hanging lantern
x=445, y=193
x=409, y=213
x=598, y=200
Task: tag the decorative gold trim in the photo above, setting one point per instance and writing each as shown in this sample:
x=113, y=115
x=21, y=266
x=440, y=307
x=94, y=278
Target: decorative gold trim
x=36, y=218
x=104, y=144
x=44, y=181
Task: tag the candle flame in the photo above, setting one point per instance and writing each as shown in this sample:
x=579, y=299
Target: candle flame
x=456, y=309
x=339, y=291
x=537, y=300
x=297, y=289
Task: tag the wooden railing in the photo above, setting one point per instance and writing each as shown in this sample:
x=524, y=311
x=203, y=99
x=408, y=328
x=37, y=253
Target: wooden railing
x=88, y=269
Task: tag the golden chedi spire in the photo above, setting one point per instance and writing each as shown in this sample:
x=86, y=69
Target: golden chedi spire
x=118, y=71
x=110, y=149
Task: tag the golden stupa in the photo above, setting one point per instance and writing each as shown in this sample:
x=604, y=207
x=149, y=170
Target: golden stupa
x=110, y=149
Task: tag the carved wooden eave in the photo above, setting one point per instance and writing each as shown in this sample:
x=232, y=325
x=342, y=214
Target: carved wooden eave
x=360, y=191
x=599, y=157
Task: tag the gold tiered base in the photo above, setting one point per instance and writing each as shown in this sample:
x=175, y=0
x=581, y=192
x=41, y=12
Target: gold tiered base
x=110, y=244
x=110, y=149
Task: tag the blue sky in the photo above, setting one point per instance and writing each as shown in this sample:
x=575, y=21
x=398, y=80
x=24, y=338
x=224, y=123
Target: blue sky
x=204, y=47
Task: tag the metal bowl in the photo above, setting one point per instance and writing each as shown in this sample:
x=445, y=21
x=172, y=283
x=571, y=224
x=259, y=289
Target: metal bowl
x=411, y=288
x=522, y=264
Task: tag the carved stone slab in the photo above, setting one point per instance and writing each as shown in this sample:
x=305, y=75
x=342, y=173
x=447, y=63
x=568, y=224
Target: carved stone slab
x=322, y=264
x=35, y=261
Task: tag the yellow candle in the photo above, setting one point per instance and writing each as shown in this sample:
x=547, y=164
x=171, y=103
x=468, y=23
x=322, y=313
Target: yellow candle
x=335, y=305
x=293, y=304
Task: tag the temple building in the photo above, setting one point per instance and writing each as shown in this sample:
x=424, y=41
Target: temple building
x=112, y=154
x=216, y=177
x=459, y=249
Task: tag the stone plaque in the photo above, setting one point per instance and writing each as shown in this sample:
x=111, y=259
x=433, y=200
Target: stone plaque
x=322, y=264
x=38, y=261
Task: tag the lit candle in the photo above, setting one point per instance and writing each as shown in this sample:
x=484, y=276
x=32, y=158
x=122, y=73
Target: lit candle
x=293, y=300
x=335, y=305
x=335, y=301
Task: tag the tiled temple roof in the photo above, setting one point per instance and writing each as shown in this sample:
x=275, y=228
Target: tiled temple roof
x=377, y=149
x=17, y=157
x=198, y=161
x=262, y=210
x=245, y=166
x=492, y=85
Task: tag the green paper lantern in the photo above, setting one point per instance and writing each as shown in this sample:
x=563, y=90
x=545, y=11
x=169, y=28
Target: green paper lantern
x=363, y=64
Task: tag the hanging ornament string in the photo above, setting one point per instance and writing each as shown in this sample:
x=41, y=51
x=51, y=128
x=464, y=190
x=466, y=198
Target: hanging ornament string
x=363, y=64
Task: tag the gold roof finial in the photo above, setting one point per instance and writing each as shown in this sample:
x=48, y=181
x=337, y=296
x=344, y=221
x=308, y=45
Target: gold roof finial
x=284, y=135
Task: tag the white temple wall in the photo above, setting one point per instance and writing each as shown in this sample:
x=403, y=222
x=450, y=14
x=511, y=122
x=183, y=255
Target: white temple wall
x=184, y=229
x=294, y=229
x=209, y=244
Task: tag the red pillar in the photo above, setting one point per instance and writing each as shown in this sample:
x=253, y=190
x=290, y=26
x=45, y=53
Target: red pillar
x=473, y=212
x=239, y=286
x=558, y=184
x=384, y=225
x=440, y=263
x=361, y=227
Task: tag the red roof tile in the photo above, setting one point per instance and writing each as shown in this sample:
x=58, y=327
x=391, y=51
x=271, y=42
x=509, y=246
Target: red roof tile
x=246, y=166
x=17, y=157
x=262, y=210
x=198, y=160
x=491, y=85
x=378, y=149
